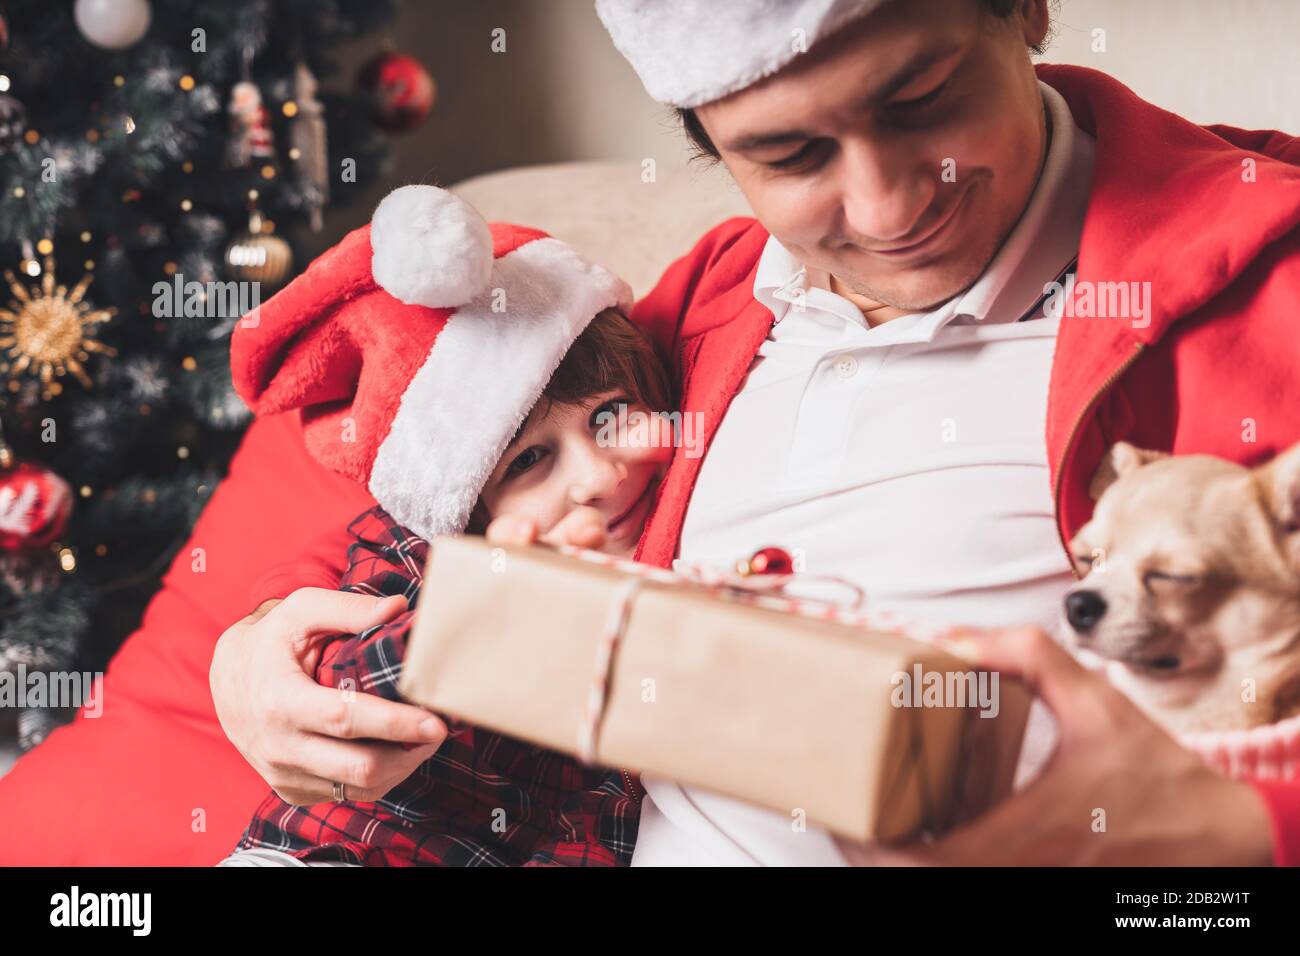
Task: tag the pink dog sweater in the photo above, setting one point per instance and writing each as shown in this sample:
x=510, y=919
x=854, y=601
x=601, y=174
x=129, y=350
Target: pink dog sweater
x=1271, y=752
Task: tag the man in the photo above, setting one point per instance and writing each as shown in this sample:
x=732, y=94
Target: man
x=884, y=387
x=898, y=406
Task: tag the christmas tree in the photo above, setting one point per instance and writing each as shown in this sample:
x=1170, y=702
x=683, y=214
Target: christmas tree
x=154, y=158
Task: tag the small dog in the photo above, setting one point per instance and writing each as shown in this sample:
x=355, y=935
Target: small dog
x=1191, y=593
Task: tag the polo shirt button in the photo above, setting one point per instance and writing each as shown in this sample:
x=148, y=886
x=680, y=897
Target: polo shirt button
x=846, y=366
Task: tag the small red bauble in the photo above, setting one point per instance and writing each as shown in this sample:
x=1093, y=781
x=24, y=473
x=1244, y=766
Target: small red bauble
x=768, y=561
x=400, y=89
x=35, y=504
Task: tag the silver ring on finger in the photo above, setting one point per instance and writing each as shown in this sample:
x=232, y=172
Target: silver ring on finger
x=339, y=796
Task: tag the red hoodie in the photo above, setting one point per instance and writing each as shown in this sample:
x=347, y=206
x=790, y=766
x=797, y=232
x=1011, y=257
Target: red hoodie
x=1207, y=215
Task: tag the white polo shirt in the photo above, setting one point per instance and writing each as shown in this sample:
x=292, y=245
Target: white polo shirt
x=910, y=458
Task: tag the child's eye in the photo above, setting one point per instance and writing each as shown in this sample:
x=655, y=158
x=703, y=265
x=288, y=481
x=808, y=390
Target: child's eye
x=609, y=407
x=524, y=460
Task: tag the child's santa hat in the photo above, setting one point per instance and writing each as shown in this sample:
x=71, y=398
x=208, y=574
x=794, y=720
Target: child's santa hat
x=417, y=346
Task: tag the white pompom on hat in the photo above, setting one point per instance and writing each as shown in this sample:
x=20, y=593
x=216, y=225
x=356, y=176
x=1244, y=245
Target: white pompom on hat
x=430, y=248
x=691, y=52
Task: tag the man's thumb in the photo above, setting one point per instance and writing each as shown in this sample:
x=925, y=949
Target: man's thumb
x=311, y=611
x=1030, y=655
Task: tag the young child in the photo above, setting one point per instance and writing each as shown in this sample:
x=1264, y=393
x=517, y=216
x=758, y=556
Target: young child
x=502, y=412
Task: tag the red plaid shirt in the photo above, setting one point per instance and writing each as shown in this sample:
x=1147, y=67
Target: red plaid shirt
x=482, y=800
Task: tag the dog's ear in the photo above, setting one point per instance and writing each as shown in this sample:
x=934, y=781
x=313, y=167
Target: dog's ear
x=1117, y=462
x=1281, y=485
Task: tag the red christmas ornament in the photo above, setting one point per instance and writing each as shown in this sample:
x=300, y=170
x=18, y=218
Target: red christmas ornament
x=35, y=504
x=400, y=89
x=768, y=561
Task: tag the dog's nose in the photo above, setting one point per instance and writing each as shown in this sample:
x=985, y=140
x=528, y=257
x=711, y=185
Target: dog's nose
x=1083, y=609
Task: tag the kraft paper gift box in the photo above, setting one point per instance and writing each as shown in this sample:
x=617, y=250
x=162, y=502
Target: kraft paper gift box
x=728, y=692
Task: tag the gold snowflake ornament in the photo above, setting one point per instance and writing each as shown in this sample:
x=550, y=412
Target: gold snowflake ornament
x=49, y=332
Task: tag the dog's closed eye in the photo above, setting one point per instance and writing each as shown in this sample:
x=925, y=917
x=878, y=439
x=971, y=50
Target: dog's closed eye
x=1158, y=582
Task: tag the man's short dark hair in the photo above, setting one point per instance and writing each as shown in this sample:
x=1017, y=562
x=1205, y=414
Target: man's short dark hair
x=702, y=147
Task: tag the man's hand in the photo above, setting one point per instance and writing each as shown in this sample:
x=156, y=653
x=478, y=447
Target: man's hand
x=1118, y=791
x=300, y=736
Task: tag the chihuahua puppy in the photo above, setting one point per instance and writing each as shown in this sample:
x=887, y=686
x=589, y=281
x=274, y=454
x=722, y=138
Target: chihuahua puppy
x=1191, y=587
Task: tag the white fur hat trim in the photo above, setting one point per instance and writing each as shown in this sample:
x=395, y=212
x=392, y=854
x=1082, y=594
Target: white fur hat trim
x=691, y=52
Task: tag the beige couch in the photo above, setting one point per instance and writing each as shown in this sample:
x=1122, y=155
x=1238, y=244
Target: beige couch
x=608, y=213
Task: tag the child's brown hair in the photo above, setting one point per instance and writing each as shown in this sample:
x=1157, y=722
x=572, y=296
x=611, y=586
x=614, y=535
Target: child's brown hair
x=612, y=353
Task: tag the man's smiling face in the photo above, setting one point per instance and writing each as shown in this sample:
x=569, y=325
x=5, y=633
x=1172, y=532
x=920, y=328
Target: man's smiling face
x=842, y=155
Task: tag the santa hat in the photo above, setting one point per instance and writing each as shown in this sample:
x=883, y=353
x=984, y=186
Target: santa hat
x=417, y=346
x=691, y=52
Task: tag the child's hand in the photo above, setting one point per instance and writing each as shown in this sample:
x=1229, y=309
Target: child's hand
x=582, y=527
